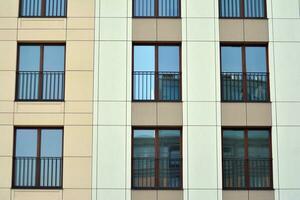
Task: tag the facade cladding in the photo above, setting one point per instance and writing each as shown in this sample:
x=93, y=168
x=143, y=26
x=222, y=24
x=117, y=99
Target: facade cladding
x=149, y=99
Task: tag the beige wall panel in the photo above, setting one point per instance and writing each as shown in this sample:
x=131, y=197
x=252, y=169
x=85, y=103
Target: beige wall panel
x=6, y=106
x=6, y=118
x=41, y=23
x=169, y=30
x=39, y=107
x=144, y=30
x=5, y=172
x=256, y=30
x=170, y=195
x=7, y=85
x=77, y=194
x=9, y=8
x=261, y=195
x=78, y=140
x=80, y=8
x=8, y=50
x=79, y=55
x=78, y=85
x=79, y=107
x=42, y=35
x=233, y=114
x=144, y=195
x=259, y=114
x=8, y=23
x=80, y=35
x=169, y=114
x=80, y=23
x=235, y=195
x=8, y=34
x=78, y=119
x=77, y=173
x=37, y=195
x=5, y=194
x=231, y=30
x=41, y=119
x=6, y=140
x=143, y=114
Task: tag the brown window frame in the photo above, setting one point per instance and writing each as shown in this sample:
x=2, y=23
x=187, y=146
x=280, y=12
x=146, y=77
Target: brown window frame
x=246, y=157
x=38, y=169
x=41, y=71
x=242, y=10
x=156, y=82
x=156, y=147
x=244, y=69
x=43, y=11
x=156, y=11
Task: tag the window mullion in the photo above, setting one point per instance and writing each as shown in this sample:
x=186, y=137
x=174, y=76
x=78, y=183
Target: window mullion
x=156, y=74
x=244, y=74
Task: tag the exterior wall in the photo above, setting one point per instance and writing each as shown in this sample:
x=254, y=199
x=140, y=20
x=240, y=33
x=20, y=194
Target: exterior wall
x=74, y=114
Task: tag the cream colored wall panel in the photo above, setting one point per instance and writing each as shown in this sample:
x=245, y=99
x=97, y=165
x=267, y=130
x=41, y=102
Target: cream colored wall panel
x=202, y=160
x=289, y=194
x=286, y=30
x=6, y=106
x=77, y=173
x=8, y=35
x=9, y=51
x=78, y=140
x=287, y=71
x=77, y=194
x=80, y=8
x=80, y=23
x=39, y=107
x=117, y=8
x=112, y=194
x=41, y=35
x=289, y=162
x=79, y=107
x=200, y=8
x=201, y=62
x=287, y=113
x=112, y=76
x=201, y=113
x=78, y=86
x=41, y=119
x=7, y=85
x=5, y=172
x=200, y=29
x=282, y=9
x=9, y=8
x=5, y=194
x=8, y=23
x=111, y=158
x=80, y=35
x=203, y=194
x=78, y=119
x=37, y=195
x=6, y=140
x=113, y=28
x=41, y=23
x=6, y=118
x=79, y=55
x=112, y=113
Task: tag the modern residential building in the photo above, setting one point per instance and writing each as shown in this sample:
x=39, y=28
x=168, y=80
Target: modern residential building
x=149, y=99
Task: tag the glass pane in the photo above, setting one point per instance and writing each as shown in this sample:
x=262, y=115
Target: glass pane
x=168, y=58
x=144, y=8
x=256, y=59
x=170, y=158
x=233, y=159
x=168, y=8
x=254, y=8
x=51, y=143
x=55, y=8
x=29, y=58
x=31, y=7
x=26, y=143
x=258, y=144
x=144, y=158
x=54, y=58
x=231, y=59
x=144, y=73
x=230, y=8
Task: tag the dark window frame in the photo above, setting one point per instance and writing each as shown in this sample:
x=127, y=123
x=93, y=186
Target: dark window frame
x=156, y=147
x=43, y=11
x=156, y=11
x=156, y=67
x=246, y=156
x=38, y=170
x=41, y=67
x=242, y=9
x=244, y=69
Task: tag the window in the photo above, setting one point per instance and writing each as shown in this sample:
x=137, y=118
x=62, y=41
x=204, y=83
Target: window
x=156, y=74
x=40, y=74
x=156, y=159
x=243, y=9
x=156, y=8
x=247, y=159
x=43, y=8
x=38, y=158
x=244, y=74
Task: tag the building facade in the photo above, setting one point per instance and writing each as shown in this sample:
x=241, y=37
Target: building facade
x=149, y=99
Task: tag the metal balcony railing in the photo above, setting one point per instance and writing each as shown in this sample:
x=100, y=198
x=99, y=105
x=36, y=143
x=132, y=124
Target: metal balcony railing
x=247, y=174
x=242, y=8
x=40, y=86
x=156, y=8
x=253, y=86
x=43, y=8
x=154, y=173
x=163, y=86
x=35, y=172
